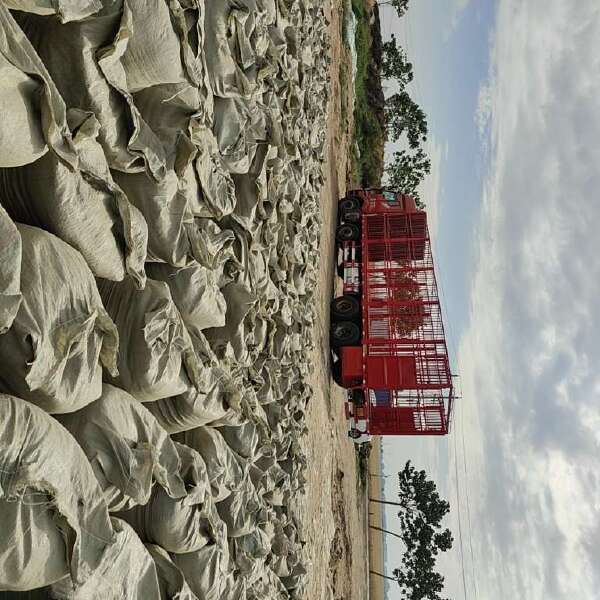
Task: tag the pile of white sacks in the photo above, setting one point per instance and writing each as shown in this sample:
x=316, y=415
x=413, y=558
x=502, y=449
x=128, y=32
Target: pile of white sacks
x=159, y=223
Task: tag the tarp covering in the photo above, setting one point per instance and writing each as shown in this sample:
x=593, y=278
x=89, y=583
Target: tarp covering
x=171, y=580
x=160, y=171
x=54, y=519
x=10, y=271
x=84, y=206
x=61, y=336
x=205, y=571
x=216, y=400
x=179, y=525
x=127, y=572
x=128, y=450
x=226, y=470
x=156, y=358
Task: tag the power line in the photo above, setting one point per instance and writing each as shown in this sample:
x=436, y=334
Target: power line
x=453, y=342
x=468, y=506
x=462, y=557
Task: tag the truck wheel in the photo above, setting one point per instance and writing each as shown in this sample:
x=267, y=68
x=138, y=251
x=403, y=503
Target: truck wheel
x=351, y=216
x=348, y=232
x=345, y=308
x=349, y=204
x=354, y=434
x=345, y=333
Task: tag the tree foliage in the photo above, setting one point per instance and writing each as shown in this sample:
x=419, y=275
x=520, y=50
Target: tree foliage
x=406, y=122
x=395, y=64
x=407, y=170
x=404, y=115
x=401, y=6
x=421, y=522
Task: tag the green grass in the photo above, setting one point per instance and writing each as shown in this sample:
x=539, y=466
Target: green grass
x=369, y=135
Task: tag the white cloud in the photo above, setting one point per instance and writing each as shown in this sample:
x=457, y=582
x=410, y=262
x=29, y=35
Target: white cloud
x=484, y=110
x=458, y=8
x=430, y=188
x=531, y=396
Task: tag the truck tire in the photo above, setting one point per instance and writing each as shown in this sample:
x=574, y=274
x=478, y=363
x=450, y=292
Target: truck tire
x=345, y=333
x=345, y=308
x=354, y=434
x=349, y=204
x=351, y=216
x=348, y=232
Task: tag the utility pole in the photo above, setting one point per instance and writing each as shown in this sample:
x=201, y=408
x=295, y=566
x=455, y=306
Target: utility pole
x=385, y=502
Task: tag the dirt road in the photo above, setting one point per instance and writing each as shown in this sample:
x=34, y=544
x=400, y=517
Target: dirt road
x=334, y=510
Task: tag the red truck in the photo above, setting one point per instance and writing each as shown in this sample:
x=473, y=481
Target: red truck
x=387, y=336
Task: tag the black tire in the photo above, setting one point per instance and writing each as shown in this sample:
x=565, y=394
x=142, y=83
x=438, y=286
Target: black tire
x=349, y=204
x=344, y=333
x=348, y=232
x=351, y=216
x=354, y=434
x=345, y=308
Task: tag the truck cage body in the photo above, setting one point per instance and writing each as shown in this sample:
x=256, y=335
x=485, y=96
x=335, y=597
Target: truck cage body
x=406, y=377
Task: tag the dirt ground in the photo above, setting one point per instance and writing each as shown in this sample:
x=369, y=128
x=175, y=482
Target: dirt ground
x=334, y=508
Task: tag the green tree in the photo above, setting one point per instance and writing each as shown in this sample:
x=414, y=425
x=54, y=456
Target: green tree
x=401, y=6
x=407, y=170
x=404, y=115
x=394, y=63
x=443, y=541
x=421, y=515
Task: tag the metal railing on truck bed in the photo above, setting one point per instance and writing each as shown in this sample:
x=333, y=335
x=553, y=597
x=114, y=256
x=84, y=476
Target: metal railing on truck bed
x=402, y=319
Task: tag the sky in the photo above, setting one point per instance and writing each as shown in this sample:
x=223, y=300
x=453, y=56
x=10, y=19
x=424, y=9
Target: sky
x=512, y=92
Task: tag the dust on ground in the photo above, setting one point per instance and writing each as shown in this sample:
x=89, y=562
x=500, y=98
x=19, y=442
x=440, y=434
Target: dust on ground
x=334, y=508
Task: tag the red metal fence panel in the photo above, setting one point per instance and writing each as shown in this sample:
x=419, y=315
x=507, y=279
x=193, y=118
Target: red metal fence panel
x=403, y=331
x=394, y=411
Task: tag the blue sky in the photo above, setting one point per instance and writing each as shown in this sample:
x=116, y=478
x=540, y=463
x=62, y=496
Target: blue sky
x=450, y=50
x=512, y=90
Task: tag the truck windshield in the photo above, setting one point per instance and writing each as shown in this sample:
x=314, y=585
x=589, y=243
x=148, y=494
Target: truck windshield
x=391, y=198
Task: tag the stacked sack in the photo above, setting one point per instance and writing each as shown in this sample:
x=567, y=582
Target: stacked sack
x=160, y=171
